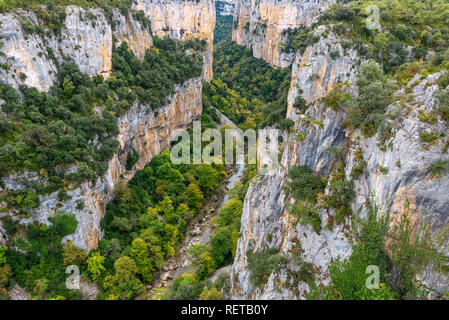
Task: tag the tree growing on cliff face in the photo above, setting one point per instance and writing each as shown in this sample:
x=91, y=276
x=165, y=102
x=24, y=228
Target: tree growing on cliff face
x=368, y=107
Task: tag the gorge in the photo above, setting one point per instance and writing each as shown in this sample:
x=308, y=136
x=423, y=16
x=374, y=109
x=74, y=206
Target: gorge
x=363, y=154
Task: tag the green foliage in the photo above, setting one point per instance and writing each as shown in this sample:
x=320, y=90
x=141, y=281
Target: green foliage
x=443, y=106
x=262, y=264
x=123, y=284
x=337, y=98
x=394, y=249
x=201, y=258
x=222, y=246
x=429, y=137
x=133, y=157
x=35, y=5
x=247, y=90
x=223, y=28
x=186, y=287
x=303, y=184
x=230, y=213
x=358, y=169
x=73, y=255
x=41, y=268
x=3, y=259
x=165, y=64
x=148, y=219
x=440, y=167
x=307, y=213
x=341, y=193
x=9, y=225
x=368, y=107
x=211, y=294
x=55, y=131
x=421, y=25
x=298, y=39
x=95, y=265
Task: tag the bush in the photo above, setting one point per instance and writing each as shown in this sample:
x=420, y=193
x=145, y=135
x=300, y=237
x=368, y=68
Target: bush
x=262, y=264
x=440, y=167
x=133, y=157
x=303, y=184
x=443, y=106
x=369, y=106
x=358, y=169
x=186, y=287
x=9, y=225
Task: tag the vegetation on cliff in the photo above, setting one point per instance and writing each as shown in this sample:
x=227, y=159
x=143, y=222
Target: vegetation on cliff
x=247, y=90
x=75, y=123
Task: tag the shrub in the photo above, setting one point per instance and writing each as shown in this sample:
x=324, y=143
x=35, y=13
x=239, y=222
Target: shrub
x=429, y=137
x=307, y=214
x=369, y=106
x=262, y=264
x=440, y=167
x=443, y=106
x=9, y=225
x=133, y=157
x=358, y=169
x=337, y=98
x=303, y=184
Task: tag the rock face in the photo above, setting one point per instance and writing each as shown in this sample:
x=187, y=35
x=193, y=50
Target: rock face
x=183, y=20
x=87, y=38
x=259, y=24
x=148, y=132
x=225, y=7
x=407, y=186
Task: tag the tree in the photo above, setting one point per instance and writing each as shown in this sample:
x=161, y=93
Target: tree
x=211, y=294
x=221, y=243
x=141, y=255
x=303, y=184
x=201, y=257
x=95, y=265
x=124, y=283
x=230, y=212
x=165, y=206
x=193, y=197
x=73, y=255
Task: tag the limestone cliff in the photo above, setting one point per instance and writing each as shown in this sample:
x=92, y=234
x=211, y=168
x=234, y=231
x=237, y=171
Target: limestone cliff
x=145, y=130
x=406, y=183
x=259, y=24
x=225, y=7
x=183, y=20
x=87, y=37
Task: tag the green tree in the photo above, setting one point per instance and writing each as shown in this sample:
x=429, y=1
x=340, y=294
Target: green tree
x=95, y=265
x=201, y=257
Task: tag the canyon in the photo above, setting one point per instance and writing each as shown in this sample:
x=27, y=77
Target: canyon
x=87, y=39
x=395, y=177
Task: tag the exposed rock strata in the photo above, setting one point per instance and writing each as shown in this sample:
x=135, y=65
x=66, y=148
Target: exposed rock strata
x=408, y=187
x=259, y=24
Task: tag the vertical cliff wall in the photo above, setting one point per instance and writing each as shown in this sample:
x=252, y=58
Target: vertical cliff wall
x=86, y=37
x=259, y=24
x=31, y=58
x=183, y=20
x=408, y=187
